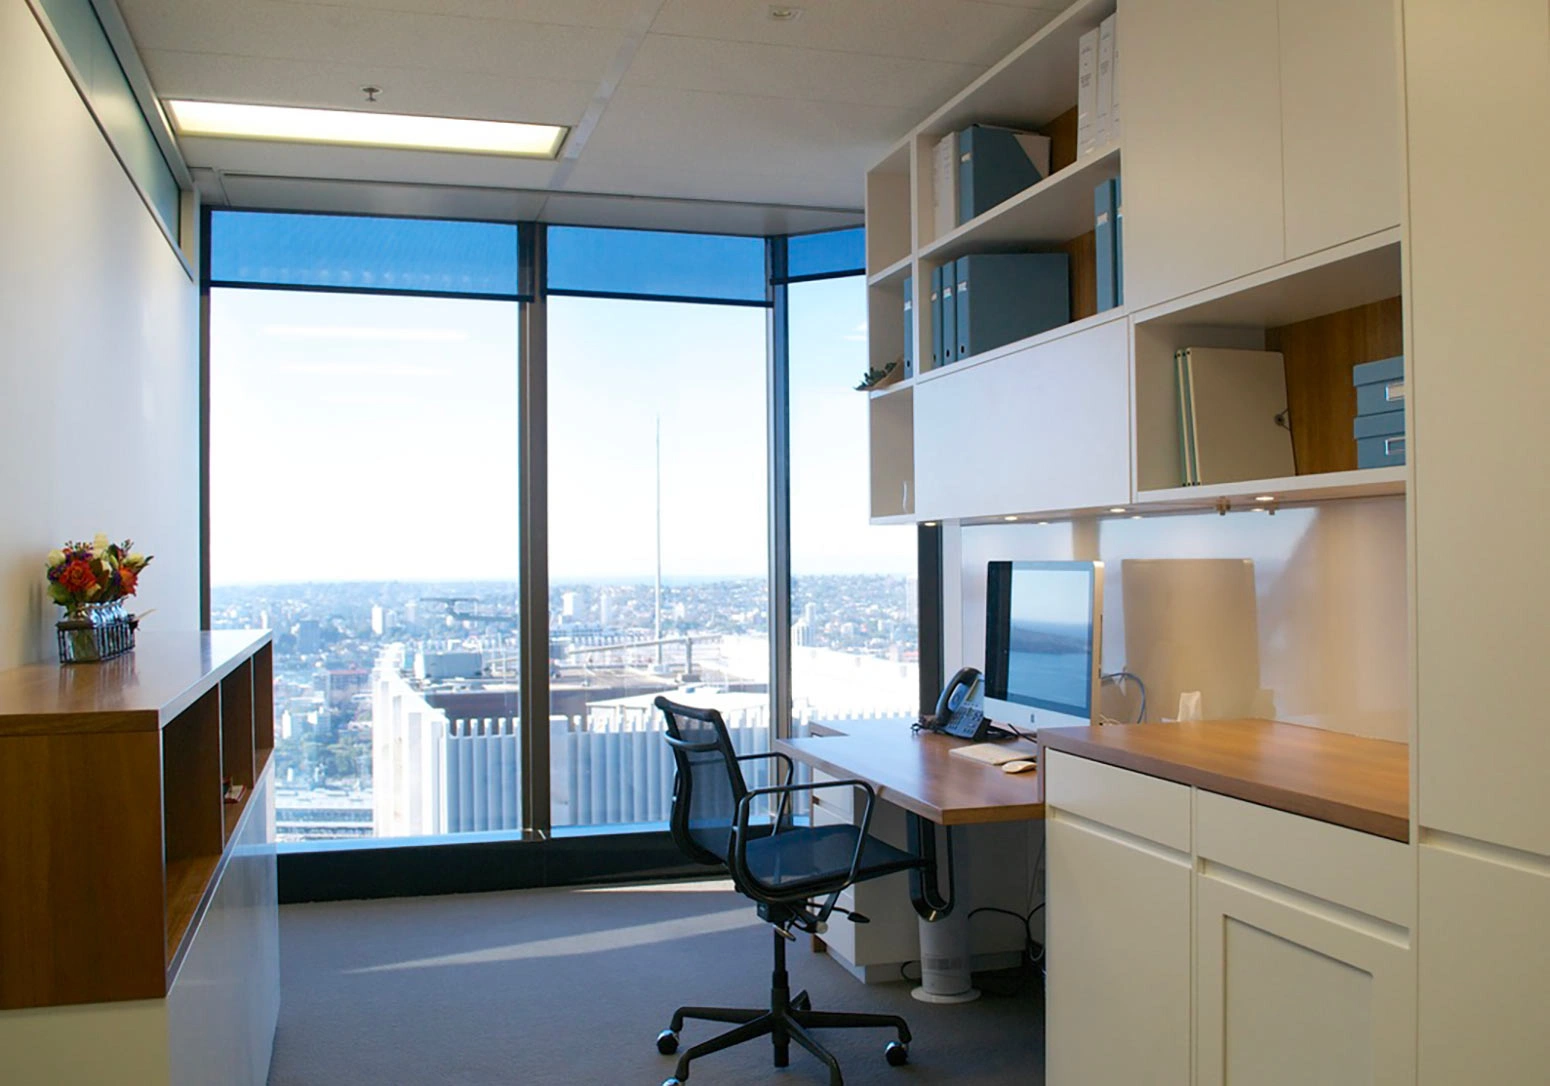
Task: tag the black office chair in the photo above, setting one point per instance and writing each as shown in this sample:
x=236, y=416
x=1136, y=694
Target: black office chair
x=794, y=873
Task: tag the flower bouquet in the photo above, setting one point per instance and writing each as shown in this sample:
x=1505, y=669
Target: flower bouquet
x=91, y=581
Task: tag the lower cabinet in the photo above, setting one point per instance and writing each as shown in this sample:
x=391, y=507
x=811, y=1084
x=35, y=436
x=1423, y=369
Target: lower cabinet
x=1484, y=965
x=1291, y=992
x=1117, y=991
x=1198, y=939
x=1118, y=926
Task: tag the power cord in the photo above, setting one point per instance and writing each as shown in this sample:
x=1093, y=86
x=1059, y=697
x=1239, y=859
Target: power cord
x=1119, y=678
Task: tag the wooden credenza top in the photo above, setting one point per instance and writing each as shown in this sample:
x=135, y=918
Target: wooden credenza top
x=1363, y=784
x=139, y=691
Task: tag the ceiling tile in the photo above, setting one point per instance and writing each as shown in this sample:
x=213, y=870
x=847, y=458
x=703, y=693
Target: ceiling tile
x=365, y=39
x=779, y=71
x=721, y=146
x=269, y=81
x=958, y=31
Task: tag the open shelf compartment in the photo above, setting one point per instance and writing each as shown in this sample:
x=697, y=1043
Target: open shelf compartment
x=1325, y=315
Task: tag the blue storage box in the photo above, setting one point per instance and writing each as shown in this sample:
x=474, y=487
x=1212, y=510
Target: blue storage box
x=1380, y=439
x=1380, y=386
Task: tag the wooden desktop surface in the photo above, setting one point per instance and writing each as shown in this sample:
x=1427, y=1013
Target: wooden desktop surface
x=1347, y=780
x=914, y=771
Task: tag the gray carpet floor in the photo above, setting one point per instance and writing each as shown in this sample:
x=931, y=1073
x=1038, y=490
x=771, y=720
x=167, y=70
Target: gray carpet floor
x=571, y=986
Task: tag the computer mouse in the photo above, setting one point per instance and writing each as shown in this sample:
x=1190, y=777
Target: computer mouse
x=1018, y=766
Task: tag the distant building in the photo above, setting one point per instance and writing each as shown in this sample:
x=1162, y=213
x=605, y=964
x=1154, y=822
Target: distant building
x=455, y=664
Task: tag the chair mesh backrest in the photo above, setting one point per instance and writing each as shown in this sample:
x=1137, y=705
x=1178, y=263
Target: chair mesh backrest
x=709, y=784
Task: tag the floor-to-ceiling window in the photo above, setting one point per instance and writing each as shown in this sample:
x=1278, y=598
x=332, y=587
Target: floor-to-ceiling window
x=368, y=397
x=854, y=586
x=658, y=538
x=363, y=506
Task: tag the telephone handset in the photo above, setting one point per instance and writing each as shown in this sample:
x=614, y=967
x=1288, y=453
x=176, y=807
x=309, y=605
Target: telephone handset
x=958, y=710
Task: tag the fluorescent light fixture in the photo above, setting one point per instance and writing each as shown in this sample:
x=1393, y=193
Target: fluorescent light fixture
x=235, y=120
x=1117, y=509
x=1266, y=498
x=1008, y=518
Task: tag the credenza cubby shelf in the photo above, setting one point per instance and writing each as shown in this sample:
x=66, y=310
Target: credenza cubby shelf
x=111, y=775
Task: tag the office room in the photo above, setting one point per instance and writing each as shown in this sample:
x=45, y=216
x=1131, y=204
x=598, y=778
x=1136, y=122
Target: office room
x=1021, y=519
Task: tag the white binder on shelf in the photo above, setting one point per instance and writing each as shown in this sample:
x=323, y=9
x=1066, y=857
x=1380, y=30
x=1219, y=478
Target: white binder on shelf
x=1112, y=23
x=1087, y=94
x=1233, y=421
x=944, y=184
x=1104, y=97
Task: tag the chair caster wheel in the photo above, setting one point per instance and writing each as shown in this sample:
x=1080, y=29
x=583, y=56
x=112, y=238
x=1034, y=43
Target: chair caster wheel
x=667, y=1044
x=672, y=1082
x=897, y=1054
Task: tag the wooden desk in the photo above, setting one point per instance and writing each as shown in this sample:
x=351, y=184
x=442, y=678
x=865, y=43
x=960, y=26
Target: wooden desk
x=914, y=771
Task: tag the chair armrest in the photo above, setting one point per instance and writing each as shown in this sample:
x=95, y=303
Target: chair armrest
x=740, y=851
x=691, y=748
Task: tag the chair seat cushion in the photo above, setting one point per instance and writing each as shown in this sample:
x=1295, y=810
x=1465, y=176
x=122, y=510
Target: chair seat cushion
x=817, y=858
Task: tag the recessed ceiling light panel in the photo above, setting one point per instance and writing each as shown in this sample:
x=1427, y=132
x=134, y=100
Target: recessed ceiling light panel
x=236, y=120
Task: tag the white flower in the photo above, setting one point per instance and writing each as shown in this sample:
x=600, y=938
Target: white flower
x=135, y=560
x=54, y=558
x=99, y=542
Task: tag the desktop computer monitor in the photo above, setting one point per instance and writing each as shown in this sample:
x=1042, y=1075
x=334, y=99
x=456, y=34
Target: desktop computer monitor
x=1043, y=641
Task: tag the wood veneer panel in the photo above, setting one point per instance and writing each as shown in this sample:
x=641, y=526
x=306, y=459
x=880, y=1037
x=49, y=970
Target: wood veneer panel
x=1362, y=784
x=191, y=782
x=917, y=773
x=263, y=700
x=140, y=691
x=1062, y=139
x=80, y=869
x=1319, y=354
x=1083, y=251
x=237, y=725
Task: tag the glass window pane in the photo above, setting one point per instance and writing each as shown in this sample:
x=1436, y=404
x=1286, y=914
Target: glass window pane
x=427, y=255
x=709, y=267
x=829, y=253
x=363, y=505
x=855, y=649
x=657, y=462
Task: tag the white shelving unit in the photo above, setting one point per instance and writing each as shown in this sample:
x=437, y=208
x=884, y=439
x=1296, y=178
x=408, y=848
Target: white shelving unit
x=1224, y=293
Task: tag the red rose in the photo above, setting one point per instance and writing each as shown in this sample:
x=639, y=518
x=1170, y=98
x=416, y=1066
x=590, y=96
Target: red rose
x=126, y=580
x=77, y=577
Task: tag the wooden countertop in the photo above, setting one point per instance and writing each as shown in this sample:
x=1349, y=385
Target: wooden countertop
x=915, y=772
x=139, y=691
x=1363, y=784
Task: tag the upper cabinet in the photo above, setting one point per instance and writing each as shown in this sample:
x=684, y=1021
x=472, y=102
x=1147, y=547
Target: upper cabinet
x=1256, y=132
x=1203, y=192
x=1341, y=157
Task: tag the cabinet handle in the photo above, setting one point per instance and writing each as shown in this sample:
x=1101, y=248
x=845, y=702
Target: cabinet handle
x=1393, y=445
x=1394, y=390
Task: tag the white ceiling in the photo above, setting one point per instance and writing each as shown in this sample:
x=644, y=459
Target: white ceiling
x=668, y=100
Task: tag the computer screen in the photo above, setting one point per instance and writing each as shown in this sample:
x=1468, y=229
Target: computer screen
x=1042, y=622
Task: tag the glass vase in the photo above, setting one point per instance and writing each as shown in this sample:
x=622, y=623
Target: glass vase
x=95, y=631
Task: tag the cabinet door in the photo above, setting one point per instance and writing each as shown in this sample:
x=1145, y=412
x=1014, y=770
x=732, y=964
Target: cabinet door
x=1291, y=992
x=1478, y=384
x=1202, y=144
x=1484, y=978
x=1117, y=987
x=1341, y=151
x=1040, y=429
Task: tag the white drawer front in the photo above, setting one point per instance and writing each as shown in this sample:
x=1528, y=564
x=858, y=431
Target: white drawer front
x=1370, y=874
x=1146, y=807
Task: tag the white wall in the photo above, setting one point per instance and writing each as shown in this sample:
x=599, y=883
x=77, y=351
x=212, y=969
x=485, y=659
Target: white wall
x=1312, y=633
x=99, y=390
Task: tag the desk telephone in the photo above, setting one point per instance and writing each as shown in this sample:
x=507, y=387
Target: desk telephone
x=958, y=710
